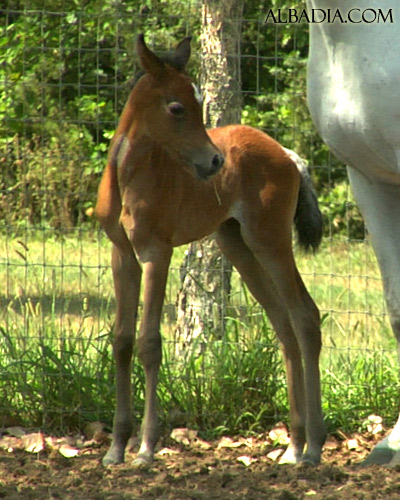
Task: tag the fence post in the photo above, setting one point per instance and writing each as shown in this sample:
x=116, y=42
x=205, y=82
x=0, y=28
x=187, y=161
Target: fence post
x=205, y=273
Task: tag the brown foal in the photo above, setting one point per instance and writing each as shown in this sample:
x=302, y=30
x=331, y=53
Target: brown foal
x=169, y=182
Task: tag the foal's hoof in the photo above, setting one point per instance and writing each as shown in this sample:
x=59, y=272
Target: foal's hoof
x=294, y=457
x=310, y=459
x=112, y=458
x=109, y=462
x=142, y=462
x=290, y=457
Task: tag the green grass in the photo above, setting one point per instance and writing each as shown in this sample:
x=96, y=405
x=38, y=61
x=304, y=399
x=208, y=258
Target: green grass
x=57, y=310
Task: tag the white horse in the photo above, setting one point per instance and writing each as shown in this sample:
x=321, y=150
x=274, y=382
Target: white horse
x=354, y=100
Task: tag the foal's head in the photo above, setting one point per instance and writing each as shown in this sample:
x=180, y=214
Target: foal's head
x=167, y=109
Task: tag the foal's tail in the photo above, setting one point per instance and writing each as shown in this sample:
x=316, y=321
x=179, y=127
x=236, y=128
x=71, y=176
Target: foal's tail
x=308, y=218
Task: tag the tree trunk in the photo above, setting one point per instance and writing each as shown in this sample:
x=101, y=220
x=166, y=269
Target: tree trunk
x=205, y=273
x=220, y=75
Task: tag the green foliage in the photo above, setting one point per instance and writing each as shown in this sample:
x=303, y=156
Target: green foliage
x=64, y=82
x=341, y=213
x=229, y=385
x=362, y=384
x=41, y=183
x=278, y=103
x=50, y=380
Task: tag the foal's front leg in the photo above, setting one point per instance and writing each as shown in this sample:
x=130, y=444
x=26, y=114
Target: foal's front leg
x=126, y=274
x=156, y=262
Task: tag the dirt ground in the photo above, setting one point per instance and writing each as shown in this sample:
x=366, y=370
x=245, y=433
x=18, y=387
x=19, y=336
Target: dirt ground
x=187, y=468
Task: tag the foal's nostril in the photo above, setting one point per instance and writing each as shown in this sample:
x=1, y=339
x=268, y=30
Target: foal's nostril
x=207, y=170
x=217, y=161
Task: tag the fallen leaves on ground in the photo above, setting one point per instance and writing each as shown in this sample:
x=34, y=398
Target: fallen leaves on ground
x=233, y=467
x=17, y=438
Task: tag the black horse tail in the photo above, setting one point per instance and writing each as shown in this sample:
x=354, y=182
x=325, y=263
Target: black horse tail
x=308, y=218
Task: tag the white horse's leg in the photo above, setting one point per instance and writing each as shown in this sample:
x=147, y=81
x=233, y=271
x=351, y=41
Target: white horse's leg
x=380, y=206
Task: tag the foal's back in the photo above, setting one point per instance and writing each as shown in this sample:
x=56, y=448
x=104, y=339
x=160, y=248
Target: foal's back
x=257, y=175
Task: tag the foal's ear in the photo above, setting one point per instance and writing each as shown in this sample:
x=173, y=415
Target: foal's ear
x=182, y=53
x=148, y=60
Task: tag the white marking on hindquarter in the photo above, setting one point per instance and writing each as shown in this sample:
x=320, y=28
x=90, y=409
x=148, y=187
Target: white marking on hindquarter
x=300, y=162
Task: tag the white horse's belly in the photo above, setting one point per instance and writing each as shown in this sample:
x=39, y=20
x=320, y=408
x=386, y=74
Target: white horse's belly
x=362, y=130
x=354, y=99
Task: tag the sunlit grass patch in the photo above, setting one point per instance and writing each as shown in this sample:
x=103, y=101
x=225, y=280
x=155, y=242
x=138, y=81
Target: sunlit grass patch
x=56, y=333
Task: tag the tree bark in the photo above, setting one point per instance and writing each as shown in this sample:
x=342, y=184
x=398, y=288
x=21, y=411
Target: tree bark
x=205, y=273
x=220, y=74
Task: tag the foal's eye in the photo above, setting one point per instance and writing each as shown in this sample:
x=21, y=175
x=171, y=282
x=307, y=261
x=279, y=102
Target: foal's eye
x=176, y=109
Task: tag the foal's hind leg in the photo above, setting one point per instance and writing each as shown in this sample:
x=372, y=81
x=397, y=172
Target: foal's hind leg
x=305, y=406
x=264, y=291
x=275, y=255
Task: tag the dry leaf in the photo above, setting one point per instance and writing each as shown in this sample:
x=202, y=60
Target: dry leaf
x=227, y=442
x=33, y=443
x=183, y=435
x=275, y=454
x=51, y=442
x=202, y=444
x=68, y=451
x=10, y=443
x=246, y=460
x=374, y=425
x=279, y=434
x=250, y=442
x=352, y=444
x=331, y=444
x=57, y=442
x=167, y=451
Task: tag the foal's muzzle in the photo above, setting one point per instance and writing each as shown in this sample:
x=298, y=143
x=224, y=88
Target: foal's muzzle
x=206, y=171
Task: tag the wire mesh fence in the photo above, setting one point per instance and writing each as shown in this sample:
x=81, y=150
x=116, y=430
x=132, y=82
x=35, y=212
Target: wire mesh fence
x=64, y=77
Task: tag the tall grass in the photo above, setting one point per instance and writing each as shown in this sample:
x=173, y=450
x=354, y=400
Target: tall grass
x=56, y=331
x=228, y=385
